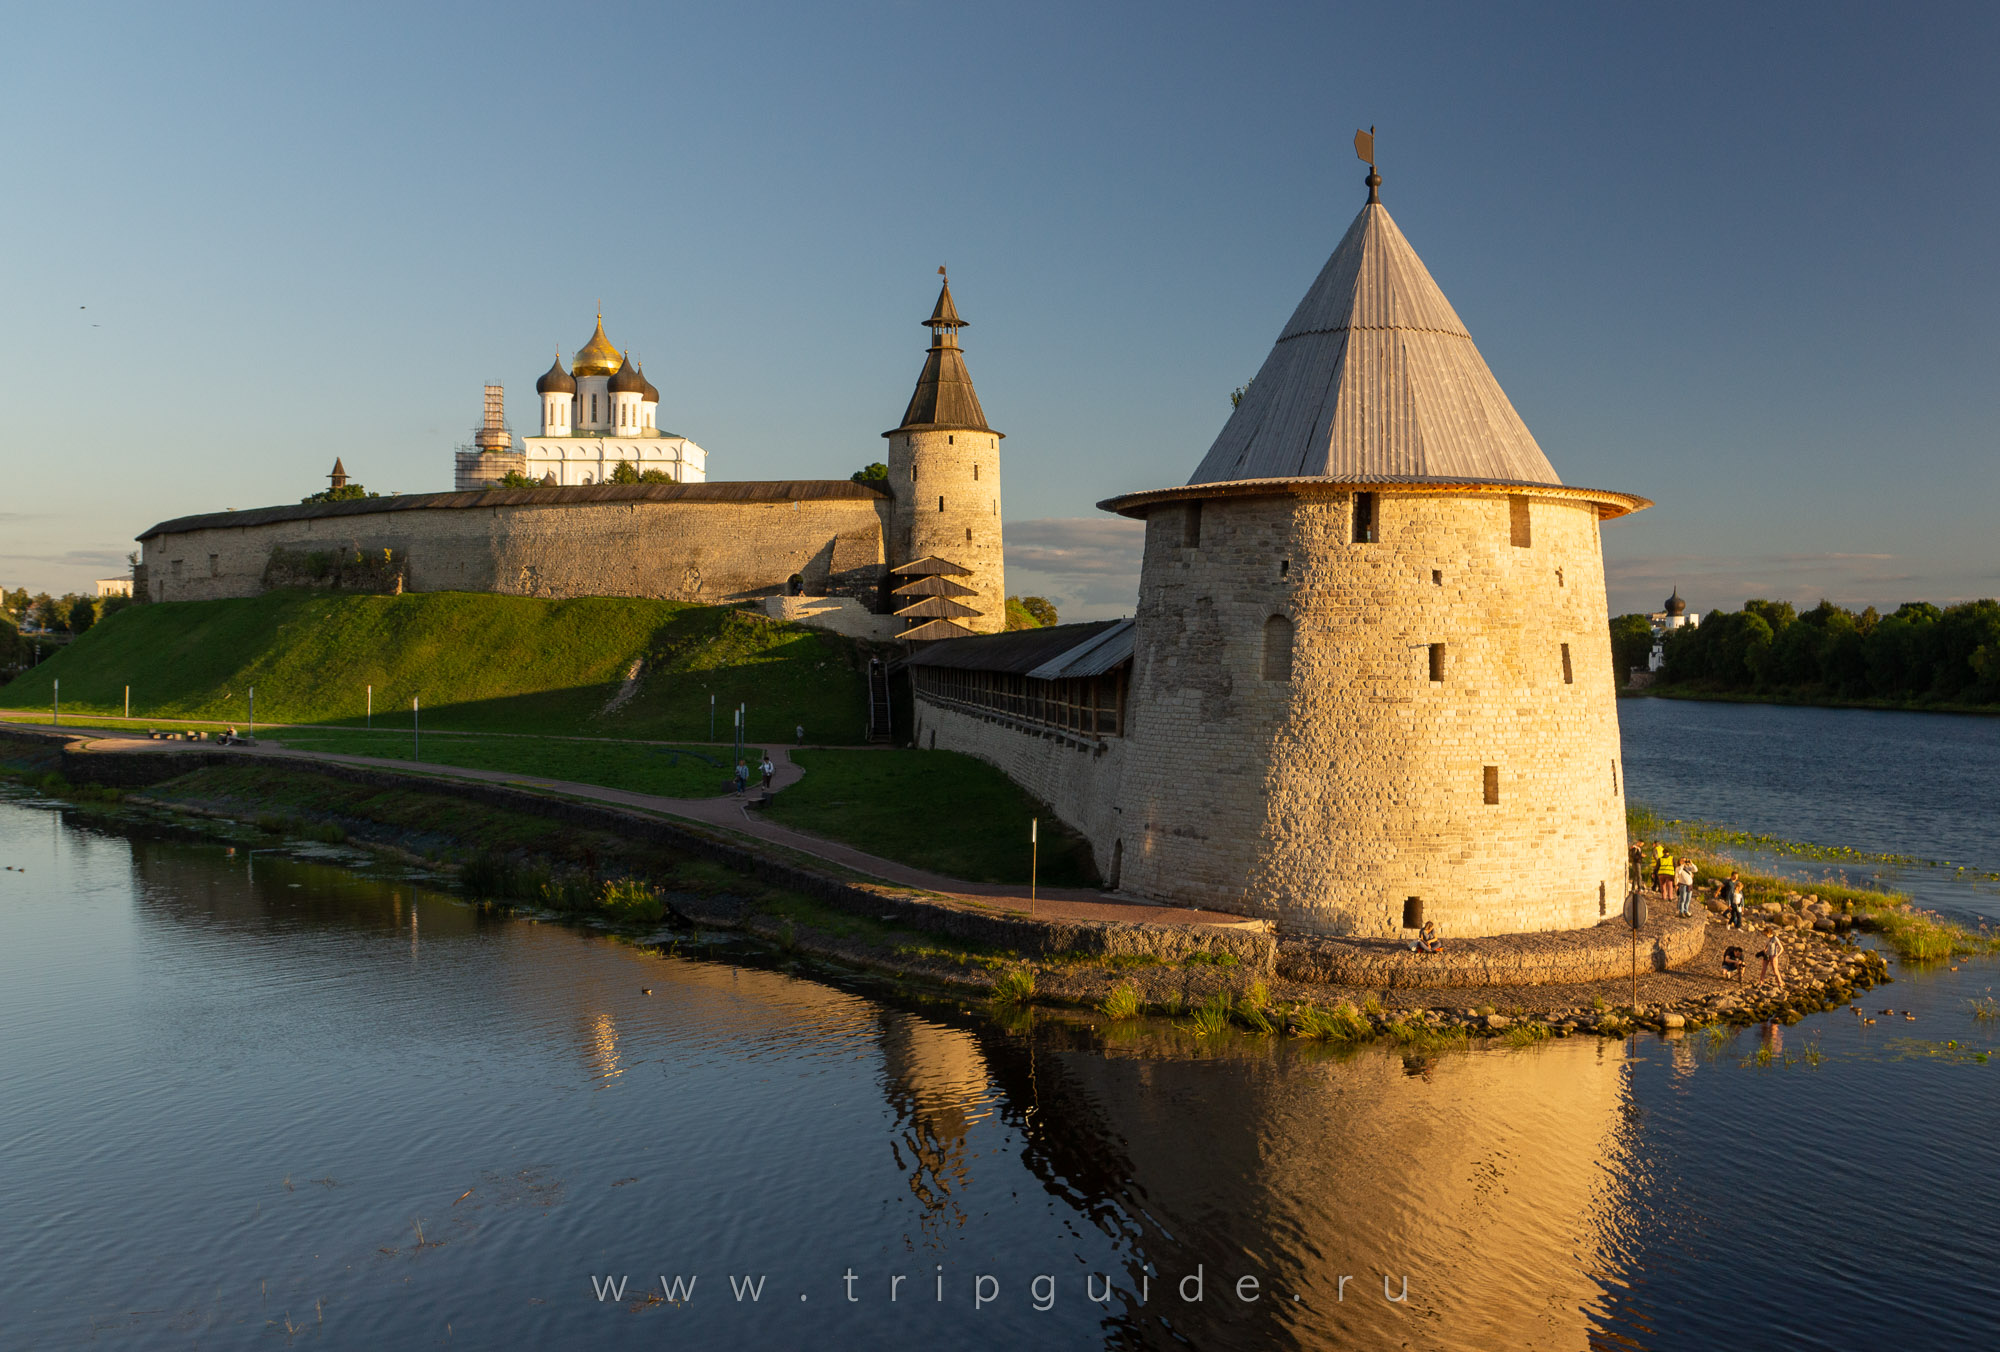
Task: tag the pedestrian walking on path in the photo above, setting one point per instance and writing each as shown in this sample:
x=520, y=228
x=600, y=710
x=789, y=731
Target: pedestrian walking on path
x=742, y=779
x=1733, y=894
x=1684, y=886
x=767, y=770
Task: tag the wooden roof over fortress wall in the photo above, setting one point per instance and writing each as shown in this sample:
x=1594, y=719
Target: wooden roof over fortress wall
x=748, y=491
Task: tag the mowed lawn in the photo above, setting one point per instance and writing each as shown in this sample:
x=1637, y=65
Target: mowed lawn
x=671, y=771
x=937, y=810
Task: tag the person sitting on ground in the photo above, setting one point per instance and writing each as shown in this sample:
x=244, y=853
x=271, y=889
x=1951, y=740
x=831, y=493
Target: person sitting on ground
x=1427, y=939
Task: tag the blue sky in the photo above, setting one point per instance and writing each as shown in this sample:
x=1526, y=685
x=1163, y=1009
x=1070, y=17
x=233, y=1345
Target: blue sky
x=1737, y=259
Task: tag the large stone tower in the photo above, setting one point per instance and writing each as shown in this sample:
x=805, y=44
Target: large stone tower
x=944, y=470
x=1371, y=656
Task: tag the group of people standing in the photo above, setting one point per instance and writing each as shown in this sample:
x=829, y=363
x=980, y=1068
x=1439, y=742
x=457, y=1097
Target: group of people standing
x=1653, y=867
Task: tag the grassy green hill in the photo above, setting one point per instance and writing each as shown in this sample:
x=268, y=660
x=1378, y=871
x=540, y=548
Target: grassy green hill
x=480, y=663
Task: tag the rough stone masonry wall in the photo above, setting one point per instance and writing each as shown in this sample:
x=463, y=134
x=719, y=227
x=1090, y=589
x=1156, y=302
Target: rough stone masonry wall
x=684, y=551
x=1076, y=776
x=1325, y=799
x=963, y=470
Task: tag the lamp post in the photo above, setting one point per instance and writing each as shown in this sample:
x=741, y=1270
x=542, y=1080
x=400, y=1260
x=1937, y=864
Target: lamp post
x=370, y=725
x=55, y=702
x=711, y=717
x=1034, y=853
x=416, y=732
x=250, y=728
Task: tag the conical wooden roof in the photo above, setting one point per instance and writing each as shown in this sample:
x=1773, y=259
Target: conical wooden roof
x=944, y=397
x=1375, y=378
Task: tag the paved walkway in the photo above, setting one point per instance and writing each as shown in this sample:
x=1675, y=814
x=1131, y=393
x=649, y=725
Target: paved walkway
x=736, y=814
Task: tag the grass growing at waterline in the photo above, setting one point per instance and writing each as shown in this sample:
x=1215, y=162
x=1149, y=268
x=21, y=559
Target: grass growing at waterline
x=1015, y=986
x=479, y=662
x=672, y=771
x=1123, y=1002
x=937, y=810
x=1340, y=1023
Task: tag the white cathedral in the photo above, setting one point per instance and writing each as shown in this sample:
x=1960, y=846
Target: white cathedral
x=598, y=413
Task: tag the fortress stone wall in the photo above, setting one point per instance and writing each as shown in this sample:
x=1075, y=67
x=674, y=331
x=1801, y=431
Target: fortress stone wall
x=1077, y=776
x=710, y=543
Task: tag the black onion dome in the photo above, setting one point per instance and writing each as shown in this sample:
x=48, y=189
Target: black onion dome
x=1676, y=606
x=556, y=381
x=626, y=379
x=648, y=394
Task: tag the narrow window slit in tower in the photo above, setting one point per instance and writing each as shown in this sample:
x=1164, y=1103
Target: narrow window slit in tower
x=975, y=479
x=1569, y=676
x=1519, y=530
x=1614, y=776
x=1191, y=526
x=1277, y=649
x=968, y=535
x=940, y=504
x=1284, y=567
x=1600, y=898
x=1364, y=518
x=1437, y=662
x=1437, y=577
x=1492, y=777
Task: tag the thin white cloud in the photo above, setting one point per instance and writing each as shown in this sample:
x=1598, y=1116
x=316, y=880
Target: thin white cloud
x=1088, y=566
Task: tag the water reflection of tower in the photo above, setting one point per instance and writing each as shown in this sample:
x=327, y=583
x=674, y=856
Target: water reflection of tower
x=936, y=1081
x=1485, y=1180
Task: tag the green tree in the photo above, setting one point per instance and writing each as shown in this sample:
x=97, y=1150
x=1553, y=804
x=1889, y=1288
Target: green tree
x=868, y=474
x=344, y=493
x=1041, y=608
x=1777, y=614
x=1019, y=616
x=82, y=613
x=656, y=476
x=15, y=603
x=513, y=478
x=624, y=472
x=1631, y=644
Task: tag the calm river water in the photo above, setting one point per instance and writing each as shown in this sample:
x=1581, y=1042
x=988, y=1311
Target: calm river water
x=280, y=1099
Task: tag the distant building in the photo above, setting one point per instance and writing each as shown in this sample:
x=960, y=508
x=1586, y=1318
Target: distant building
x=598, y=413
x=1674, y=616
x=113, y=586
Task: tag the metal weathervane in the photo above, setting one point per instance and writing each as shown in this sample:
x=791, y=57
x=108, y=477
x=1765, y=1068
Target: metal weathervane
x=1364, y=150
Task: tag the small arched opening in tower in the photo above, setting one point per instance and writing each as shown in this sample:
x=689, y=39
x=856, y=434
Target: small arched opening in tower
x=1278, y=649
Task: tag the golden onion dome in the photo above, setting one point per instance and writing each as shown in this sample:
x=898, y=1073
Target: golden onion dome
x=597, y=357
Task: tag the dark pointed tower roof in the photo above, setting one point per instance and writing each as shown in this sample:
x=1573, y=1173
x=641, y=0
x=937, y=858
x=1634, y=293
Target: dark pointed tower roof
x=556, y=380
x=647, y=391
x=626, y=379
x=339, y=476
x=944, y=397
x=1676, y=606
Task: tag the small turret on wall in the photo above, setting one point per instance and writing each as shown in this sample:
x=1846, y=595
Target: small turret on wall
x=944, y=470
